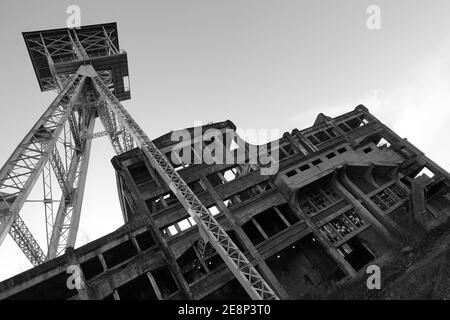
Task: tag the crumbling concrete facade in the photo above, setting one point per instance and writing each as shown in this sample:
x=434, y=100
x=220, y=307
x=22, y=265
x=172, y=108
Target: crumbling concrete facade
x=348, y=192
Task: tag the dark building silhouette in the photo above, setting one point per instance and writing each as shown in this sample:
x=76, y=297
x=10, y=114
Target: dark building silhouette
x=349, y=192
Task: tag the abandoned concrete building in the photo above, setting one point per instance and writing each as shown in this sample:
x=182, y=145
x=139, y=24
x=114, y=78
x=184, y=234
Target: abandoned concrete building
x=348, y=190
x=347, y=193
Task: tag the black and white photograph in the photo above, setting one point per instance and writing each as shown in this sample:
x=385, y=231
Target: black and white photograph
x=226, y=156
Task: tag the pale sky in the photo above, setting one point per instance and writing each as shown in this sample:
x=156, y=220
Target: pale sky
x=262, y=64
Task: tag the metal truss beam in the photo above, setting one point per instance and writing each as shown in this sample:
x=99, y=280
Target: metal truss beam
x=237, y=262
x=68, y=216
x=21, y=171
x=58, y=167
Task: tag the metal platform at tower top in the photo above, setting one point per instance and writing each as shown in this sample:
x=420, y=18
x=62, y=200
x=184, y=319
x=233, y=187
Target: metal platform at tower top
x=51, y=51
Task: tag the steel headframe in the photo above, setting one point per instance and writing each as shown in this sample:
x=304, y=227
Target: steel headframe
x=37, y=154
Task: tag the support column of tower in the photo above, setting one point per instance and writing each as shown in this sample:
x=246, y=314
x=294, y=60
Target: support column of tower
x=68, y=215
x=21, y=171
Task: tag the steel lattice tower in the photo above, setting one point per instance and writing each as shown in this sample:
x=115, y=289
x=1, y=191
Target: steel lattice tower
x=89, y=72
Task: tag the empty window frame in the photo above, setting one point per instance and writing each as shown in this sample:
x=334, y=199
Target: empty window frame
x=425, y=171
x=286, y=150
x=253, y=233
x=91, y=267
x=356, y=122
x=161, y=202
x=179, y=226
x=145, y=240
x=231, y=174
x=140, y=174
x=192, y=265
x=344, y=127
x=287, y=213
x=313, y=201
x=196, y=186
x=341, y=226
x=248, y=194
x=170, y=231
x=139, y=288
x=224, y=176
x=322, y=136
x=304, y=167
x=269, y=223
x=291, y=173
x=331, y=155
x=164, y=281
x=383, y=143
x=389, y=197
x=119, y=253
x=214, y=210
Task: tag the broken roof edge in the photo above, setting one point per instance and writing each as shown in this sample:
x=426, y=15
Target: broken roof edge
x=112, y=24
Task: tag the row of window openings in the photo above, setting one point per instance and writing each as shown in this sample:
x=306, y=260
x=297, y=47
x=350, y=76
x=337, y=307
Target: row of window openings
x=381, y=144
x=117, y=255
x=160, y=283
x=389, y=197
x=315, y=162
x=353, y=123
x=195, y=263
x=322, y=136
x=284, y=151
x=141, y=175
x=112, y=257
x=154, y=285
x=243, y=196
x=269, y=223
x=329, y=132
x=341, y=226
x=192, y=264
x=168, y=199
x=218, y=178
x=261, y=227
x=318, y=199
x=185, y=224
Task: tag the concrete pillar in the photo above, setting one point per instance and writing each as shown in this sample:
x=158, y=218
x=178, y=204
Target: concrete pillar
x=385, y=220
x=263, y=268
x=85, y=292
x=404, y=142
x=311, y=148
x=295, y=143
x=330, y=249
x=347, y=136
x=159, y=238
x=379, y=228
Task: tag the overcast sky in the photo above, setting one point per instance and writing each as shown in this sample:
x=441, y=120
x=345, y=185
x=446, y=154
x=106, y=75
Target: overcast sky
x=261, y=64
